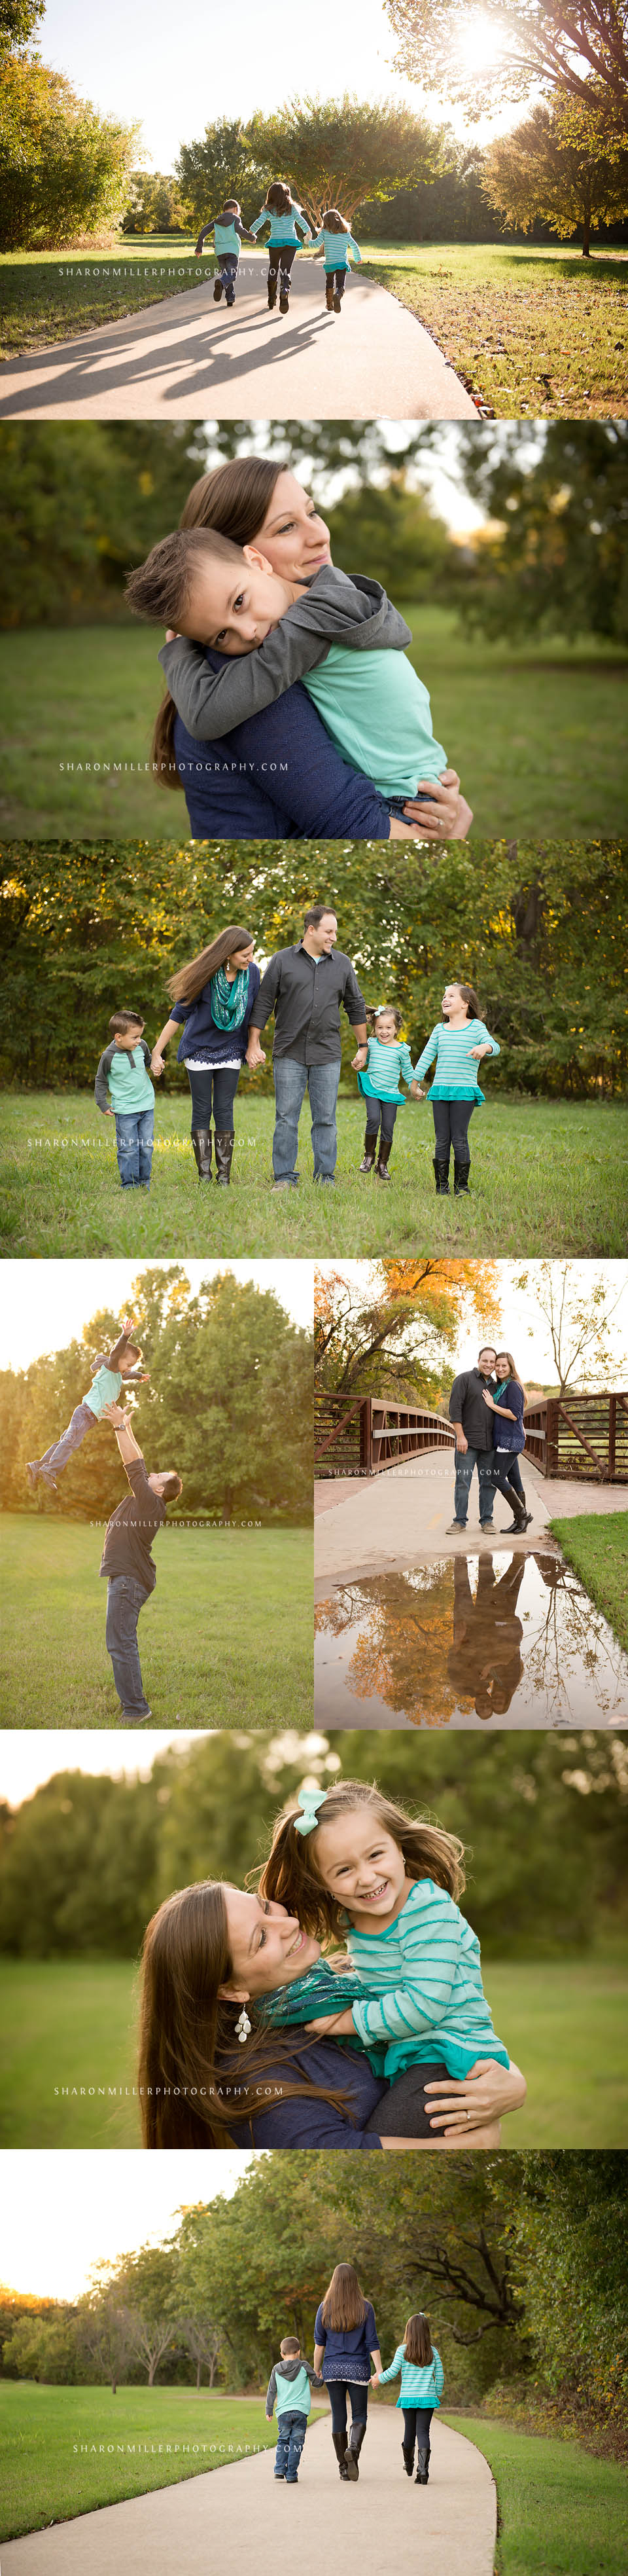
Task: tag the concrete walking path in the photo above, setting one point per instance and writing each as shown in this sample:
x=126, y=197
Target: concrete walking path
x=235, y=2518
x=401, y=1517
x=189, y=359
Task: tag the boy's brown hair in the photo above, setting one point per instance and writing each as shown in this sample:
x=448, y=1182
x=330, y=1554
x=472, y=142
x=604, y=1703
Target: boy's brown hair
x=161, y=588
x=122, y=1021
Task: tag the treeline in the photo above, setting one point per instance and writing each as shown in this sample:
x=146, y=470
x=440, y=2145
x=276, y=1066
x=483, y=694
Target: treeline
x=229, y=1403
x=519, y=2260
x=84, y=1862
x=540, y=930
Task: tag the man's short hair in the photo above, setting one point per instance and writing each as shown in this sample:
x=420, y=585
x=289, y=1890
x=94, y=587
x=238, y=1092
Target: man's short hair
x=487, y=1346
x=317, y=913
x=171, y=1488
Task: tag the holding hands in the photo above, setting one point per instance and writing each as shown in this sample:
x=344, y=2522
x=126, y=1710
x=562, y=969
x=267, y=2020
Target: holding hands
x=255, y=1053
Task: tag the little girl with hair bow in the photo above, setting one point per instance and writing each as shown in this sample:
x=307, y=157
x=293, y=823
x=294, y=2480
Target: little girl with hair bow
x=409, y=1989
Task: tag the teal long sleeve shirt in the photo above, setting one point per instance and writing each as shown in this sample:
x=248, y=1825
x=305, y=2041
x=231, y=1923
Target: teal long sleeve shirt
x=425, y=2000
x=380, y=1078
x=456, y=1075
x=422, y=2383
x=337, y=247
x=283, y=228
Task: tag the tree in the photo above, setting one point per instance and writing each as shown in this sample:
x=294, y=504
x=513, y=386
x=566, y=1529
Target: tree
x=558, y=559
x=63, y=168
x=18, y=20
x=485, y=55
x=146, y=2285
x=204, y=2341
x=394, y=1330
x=155, y=205
x=571, y=179
x=225, y=162
x=345, y=151
x=579, y=1315
x=102, y=2330
x=79, y=505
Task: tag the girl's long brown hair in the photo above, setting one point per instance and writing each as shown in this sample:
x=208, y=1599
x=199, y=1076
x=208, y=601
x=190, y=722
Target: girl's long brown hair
x=343, y=2305
x=291, y=1877
x=190, y=980
x=197, y=2086
x=234, y=500
x=417, y=2341
x=467, y=995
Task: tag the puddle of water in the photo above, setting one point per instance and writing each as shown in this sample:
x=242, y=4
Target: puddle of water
x=468, y=1641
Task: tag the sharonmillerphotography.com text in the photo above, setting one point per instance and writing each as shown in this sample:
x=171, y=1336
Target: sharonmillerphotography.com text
x=98, y=2450
x=167, y=2092
x=204, y=768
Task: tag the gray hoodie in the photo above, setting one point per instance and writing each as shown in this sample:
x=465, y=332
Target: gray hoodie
x=332, y=610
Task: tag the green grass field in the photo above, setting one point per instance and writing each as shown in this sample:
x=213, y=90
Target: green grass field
x=70, y=2023
x=552, y=1175
x=47, y=296
x=225, y=1640
x=542, y=331
x=597, y=1547
x=561, y=2512
x=41, y=2480
x=534, y=730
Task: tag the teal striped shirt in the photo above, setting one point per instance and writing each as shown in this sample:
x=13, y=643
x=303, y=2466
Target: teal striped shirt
x=422, y=2383
x=456, y=1076
x=380, y=1078
x=337, y=247
x=424, y=1977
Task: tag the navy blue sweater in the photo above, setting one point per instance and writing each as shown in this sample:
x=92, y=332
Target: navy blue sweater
x=305, y=2123
x=347, y=2350
x=277, y=777
x=202, y=1037
x=510, y=1435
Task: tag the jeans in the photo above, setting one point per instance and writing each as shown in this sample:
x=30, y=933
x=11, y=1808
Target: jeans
x=384, y=1112
x=219, y=1081
x=125, y=1599
x=134, y=1147
x=292, y=1080
x=451, y=1127
x=338, y=2390
x=291, y=2432
x=416, y=2427
x=56, y=1457
x=506, y=1471
x=466, y=1460
x=227, y=270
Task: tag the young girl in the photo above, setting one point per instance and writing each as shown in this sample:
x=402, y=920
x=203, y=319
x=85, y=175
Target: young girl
x=109, y=1370
x=458, y=1042
x=378, y=1066
x=228, y=231
x=336, y=238
x=287, y=224
x=509, y=1439
x=422, y=2383
x=350, y=1855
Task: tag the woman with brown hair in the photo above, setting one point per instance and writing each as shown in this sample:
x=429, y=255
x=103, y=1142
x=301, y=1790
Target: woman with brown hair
x=345, y=2344
x=507, y=1407
x=279, y=774
x=213, y=998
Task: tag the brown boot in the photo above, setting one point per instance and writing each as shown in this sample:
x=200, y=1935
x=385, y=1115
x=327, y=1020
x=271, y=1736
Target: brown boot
x=202, y=1142
x=224, y=1156
x=370, y=1150
x=382, y=1172
x=329, y=294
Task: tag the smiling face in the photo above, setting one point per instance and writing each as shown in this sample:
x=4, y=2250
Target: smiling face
x=385, y=1028
x=232, y=603
x=452, y=1001
x=268, y=1947
x=241, y=958
x=293, y=536
x=486, y=1363
x=362, y=1867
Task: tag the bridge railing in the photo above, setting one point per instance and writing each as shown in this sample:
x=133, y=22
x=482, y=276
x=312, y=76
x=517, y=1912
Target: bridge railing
x=361, y=1435
x=580, y=1435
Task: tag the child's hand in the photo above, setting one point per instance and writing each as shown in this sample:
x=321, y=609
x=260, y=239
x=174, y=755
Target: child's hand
x=127, y=1323
x=332, y=2023
x=375, y=2378
x=478, y=1052
x=415, y=1091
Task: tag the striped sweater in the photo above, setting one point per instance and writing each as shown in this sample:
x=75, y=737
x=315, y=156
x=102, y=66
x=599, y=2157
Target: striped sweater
x=423, y=1975
x=380, y=1078
x=456, y=1076
x=422, y=2383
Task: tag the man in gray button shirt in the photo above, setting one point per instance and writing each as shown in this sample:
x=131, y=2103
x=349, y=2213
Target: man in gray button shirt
x=305, y=987
x=473, y=1425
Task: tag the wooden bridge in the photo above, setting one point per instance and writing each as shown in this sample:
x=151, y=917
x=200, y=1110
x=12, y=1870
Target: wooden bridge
x=570, y=1435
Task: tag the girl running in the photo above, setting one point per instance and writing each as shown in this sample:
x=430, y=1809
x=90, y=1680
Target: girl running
x=387, y=1056
x=458, y=1042
x=288, y=225
x=336, y=238
x=422, y=2383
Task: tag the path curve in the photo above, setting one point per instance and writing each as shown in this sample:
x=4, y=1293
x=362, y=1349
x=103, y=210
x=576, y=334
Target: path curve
x=235, y=2518
x=187, y=359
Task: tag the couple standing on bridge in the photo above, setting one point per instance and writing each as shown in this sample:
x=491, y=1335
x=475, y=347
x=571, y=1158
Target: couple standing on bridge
x=486, y=1407
x=220, y=1005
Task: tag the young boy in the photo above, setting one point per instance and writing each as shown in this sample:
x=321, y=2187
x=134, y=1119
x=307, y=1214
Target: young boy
x=109, y=1371
x=123, y=1072
x=342, y=638
x=228, y=231
x=289, y=2390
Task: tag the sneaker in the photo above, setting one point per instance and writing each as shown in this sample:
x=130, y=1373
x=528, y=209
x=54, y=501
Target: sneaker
x=217, y=289
x=284, y=1185
x=129, y=1717
x=454, y=1525
x=487, y=1525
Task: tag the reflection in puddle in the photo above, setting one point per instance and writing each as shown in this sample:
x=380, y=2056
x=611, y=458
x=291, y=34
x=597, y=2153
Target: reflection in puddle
x=465, y=1640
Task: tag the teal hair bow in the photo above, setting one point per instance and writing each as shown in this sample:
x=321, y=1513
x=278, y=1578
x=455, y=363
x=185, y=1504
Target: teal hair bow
x=311, y=1800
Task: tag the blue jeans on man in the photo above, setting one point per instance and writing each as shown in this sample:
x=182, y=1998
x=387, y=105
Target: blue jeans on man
x=134, y=1147
x=466, y=1460
x=292, y=1080
x=56, y=1457
x=125, y=1599
x=291, y=2432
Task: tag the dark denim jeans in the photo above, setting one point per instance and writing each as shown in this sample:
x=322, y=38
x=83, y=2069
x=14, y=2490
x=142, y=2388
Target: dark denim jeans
x=125, y=1599
x=134, y=1146
x=291, y=2432
x=466, y=1460
x=292, y=1080
x=507, y=1471
x=227, y=270
x=338, y=2390
x=56, y=1457
x=212, y=1085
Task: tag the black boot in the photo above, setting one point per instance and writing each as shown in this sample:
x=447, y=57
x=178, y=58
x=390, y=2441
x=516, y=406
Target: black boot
x=441, y=1176
x=408, y=2458
x=461, y=1179
x=370, y=1150
x=422, y=2468
x=202, y=1142
x=381, y=1167
x=352, y=2453
x=521, y=1518
x=272, y=294
x=340, y=2442
x=284, y=293
x=217, y=289
x=224, y=1143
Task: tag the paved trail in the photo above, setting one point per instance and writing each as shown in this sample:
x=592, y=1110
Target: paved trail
x=188, y=359
x=236, y=2518
x=366, y=1524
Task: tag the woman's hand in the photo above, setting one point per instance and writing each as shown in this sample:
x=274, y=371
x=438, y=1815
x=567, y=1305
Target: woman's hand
x=446, y=815
x=331, y=2023
x=489, y=1400
x=156, y=1062
x=375, y=2379
x=254, y=1055
x=485, y=2094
